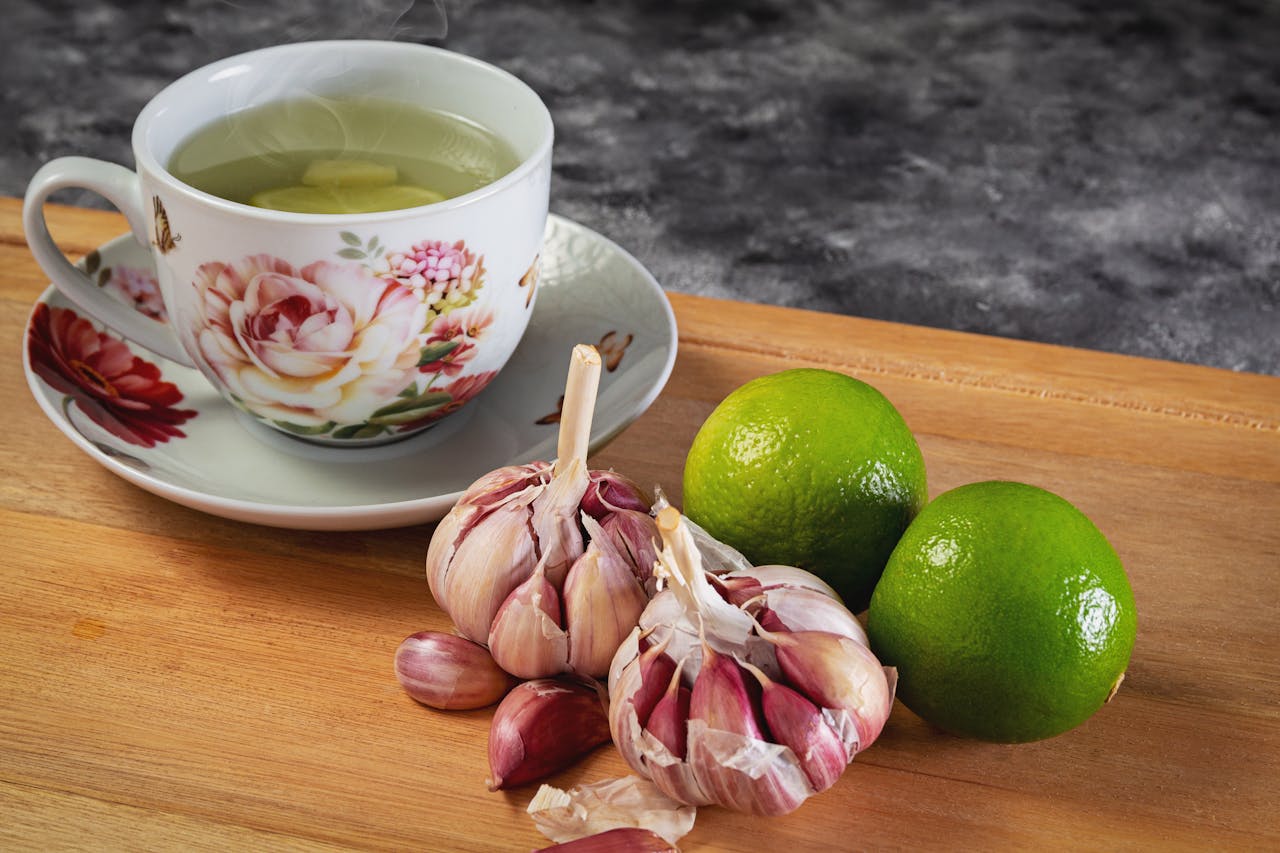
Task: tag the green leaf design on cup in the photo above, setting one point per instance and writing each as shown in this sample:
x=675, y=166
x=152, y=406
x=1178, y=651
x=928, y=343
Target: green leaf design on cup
x=411, y=409
x=366, y=430
x=436, y=351
x=302, y=429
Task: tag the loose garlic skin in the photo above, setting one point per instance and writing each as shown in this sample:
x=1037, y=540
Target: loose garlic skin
x=837, y=696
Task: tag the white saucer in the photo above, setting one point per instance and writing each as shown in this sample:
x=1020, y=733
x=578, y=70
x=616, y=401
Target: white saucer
x=589, y=288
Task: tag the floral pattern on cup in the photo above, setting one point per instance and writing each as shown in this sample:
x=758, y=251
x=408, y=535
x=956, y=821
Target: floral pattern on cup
x=134, y=286
x=308, y=348
x=530, y=280
x=120, y=392
x=459, y=392
x=137, y=287
x=445, y=275
x=337, y=349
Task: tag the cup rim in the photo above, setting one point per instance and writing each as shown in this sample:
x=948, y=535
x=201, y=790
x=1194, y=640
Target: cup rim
x=147, y=162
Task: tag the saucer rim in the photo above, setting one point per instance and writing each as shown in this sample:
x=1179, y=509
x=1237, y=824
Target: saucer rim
x=353, y=517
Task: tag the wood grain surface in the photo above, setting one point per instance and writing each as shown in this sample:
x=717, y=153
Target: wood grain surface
x=175, y=681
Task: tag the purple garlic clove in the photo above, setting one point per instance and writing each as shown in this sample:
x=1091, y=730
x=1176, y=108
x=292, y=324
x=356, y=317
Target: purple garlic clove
x=723, y=698
x=543, y=726
x=669, y=718
x=799, y=725
x=609, y=491
x=449, y=672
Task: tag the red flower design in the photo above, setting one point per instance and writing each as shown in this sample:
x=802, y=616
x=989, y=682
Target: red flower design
x=120, y=392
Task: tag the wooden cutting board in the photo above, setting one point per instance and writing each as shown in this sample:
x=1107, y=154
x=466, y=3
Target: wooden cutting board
x=170, y=680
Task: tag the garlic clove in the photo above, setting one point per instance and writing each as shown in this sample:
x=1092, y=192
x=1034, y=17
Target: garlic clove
x=609, y=492
x=620, y=840
x=736, y=590
x=449, y=672
x=668, y=719
x=526, y=638
x=773, y=575
x=723, y=698
x=639, y=748
x=838, y=673
x=444, y=544
x=804, y=609
x=514, y=484
x=656, y=668
x=499, y=550
x=543, y=726
x=799, y=725
x=635, y=535
x=603, y=602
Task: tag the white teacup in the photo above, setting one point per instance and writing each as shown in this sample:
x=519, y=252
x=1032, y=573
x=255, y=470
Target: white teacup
x=379, y=360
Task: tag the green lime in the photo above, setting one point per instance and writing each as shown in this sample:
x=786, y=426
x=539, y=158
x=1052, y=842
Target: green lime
x=808, y=468
x=1007, y=613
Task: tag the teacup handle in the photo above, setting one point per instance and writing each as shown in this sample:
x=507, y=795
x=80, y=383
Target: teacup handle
x=119, y=186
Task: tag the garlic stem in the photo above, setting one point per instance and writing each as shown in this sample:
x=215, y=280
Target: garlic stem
x=680, y=565
x=579, y=405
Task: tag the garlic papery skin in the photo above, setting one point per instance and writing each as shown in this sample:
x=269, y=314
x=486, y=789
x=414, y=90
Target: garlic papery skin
x=770, y=720
x=777, y=576
x=586, y=810
x=624, y=839
x=803, y=609
x=485, y=537
x=499, y=563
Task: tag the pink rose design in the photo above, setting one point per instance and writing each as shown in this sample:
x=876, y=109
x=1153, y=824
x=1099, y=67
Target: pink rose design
x=327, y=343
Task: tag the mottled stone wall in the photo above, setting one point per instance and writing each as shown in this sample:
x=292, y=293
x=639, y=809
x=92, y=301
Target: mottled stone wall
x=1101, y=174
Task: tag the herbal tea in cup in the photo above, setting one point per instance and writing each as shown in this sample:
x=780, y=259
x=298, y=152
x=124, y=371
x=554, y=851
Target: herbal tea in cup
x=346, y=234
x=341, y=155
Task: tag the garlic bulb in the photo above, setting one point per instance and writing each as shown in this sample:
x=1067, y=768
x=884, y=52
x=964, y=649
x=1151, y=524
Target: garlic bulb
x=750, y=692
x=548, y=564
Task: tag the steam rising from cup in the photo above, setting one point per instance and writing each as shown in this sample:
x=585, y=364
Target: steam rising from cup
x=340, y=114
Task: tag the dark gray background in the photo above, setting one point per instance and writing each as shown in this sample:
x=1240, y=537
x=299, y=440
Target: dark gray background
x=1100, y=174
